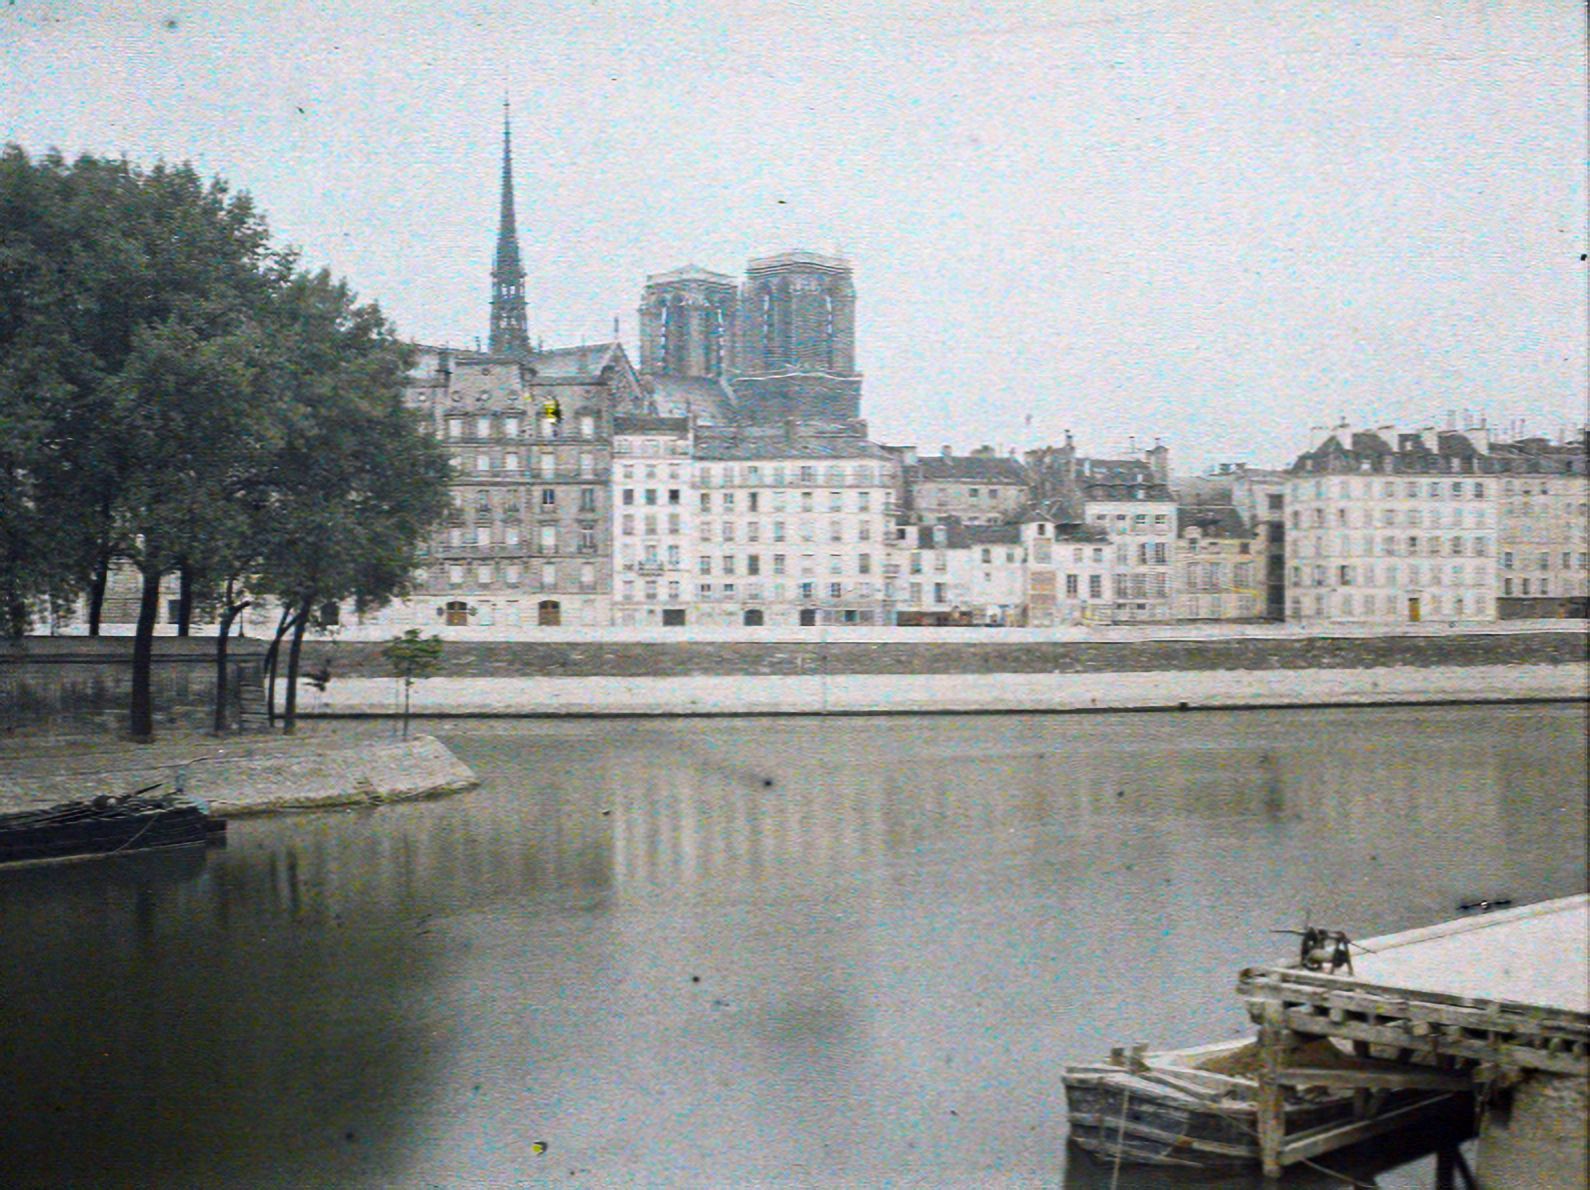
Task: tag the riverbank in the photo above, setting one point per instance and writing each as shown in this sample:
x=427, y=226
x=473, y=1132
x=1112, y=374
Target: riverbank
x=959, y=693
x=235, y=776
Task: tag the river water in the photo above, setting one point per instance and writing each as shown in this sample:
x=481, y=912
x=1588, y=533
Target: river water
x=740, y=951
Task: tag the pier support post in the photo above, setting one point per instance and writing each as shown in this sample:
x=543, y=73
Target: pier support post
x=1268, y=1101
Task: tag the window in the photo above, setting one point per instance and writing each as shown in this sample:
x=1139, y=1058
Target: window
x=1095, y=586
x=486, y=573
x=587, y=499
x=511, y=574
x=587, y=541
x=704, y=564
x=941, y=592
x=1071, y=586
x=778, y=563
x=482, y=462
x=549, y=497
x=673, y=495
x=483, y=535
x=587, y=576
x=510, y=461
x=628, y=496
x=549, y=575
x=587, y=426
x=728, y=563
x=864, y=564
x=753, y=564
x=549, y=539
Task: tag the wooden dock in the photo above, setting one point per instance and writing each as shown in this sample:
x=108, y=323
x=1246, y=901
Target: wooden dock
x=1474, y=1005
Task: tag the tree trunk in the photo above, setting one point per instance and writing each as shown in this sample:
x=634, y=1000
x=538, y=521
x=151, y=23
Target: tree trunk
x=271, y=654
x=184, y=599
x=97, y=583
x=290, y=699
x=141, y=722
x=228, y=614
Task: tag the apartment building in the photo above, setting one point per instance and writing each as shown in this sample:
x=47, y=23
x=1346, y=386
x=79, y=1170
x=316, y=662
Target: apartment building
x=792, y=526
x=976, y=489
x=956, y=574
x=1220, y=565
x=1069, y=568
x=1544, y=512
x=1387, y=527
x=654, y=534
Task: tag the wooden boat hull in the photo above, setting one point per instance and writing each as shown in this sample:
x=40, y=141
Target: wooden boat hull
x=1112, y=1111
x=107, y=826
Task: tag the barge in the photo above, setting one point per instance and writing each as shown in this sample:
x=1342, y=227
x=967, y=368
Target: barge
x=108, y=825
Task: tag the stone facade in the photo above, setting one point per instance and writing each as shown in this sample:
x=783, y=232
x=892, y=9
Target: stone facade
x=783, y=345
x=976, y=489
x=654, y=530
x=1544, y=512
x=1220, y=564
x=791, y=527
x=528, y=539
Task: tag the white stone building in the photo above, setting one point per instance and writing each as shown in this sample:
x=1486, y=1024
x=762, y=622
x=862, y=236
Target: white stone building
x=1069, y=568
x=792, y=527
x=1386, y=528
x=654, y=535
x=949, y=573
x=1544, y=560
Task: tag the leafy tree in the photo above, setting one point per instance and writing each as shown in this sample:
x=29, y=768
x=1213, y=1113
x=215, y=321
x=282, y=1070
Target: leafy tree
x=358, y=481
x=412, y=657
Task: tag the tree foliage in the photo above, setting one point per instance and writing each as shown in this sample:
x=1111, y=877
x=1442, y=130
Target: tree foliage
x=175, y=393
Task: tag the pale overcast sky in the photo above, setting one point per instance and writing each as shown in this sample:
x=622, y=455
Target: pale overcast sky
x=1218, y=223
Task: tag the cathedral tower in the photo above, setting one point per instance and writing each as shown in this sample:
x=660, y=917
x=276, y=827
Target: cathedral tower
x=795, y=354
x=509, y=331
x=687, y=323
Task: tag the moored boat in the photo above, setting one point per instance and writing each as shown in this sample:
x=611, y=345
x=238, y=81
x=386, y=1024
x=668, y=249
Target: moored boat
x=1196, y=1108
x=108, y=825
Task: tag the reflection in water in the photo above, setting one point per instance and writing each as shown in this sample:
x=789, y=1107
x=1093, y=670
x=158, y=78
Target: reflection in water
x=708, y=951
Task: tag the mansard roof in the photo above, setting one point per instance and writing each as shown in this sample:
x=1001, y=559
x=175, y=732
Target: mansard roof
x=969, y=469
x=646, y=423
x=1213, y=520
x=775, y=442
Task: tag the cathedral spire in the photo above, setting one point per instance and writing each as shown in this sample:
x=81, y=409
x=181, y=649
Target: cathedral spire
x=509, y=335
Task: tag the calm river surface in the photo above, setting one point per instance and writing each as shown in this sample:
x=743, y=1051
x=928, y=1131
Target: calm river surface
x=715, y=952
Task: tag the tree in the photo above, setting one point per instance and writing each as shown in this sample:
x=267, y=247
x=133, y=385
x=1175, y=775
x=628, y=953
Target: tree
x=412, y=657
x=358, y=481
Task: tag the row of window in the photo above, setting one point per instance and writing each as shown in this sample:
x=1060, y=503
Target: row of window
x=1395, y=547
x=511, y=425
x=512, y=463
x=1140, y=522
x=513, y=575
x=1391, y=489
x=728, y=530
x=941, y=495
x=778, y=501
x=1413, y=575
x=776, y=475
x=543, y=498
x=651, y=447
x=727, y=563
x=1543, y=561
x=1391, y=607
x=1354, y=518
x=546, y=538
x=1212, y=576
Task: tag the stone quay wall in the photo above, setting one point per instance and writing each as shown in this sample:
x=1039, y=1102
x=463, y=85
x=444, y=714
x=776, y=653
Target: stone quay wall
x=956, y=671
x=75, y=684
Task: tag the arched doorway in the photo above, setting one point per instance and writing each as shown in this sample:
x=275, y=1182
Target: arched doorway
x=549, y=613
x=808, y=617
x=753, y=617
x=457, y=613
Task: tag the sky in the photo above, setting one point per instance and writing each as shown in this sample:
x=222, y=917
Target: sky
x=1217, y=224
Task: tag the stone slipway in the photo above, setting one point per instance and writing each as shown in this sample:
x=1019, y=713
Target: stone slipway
x=874, y=693
x=293, y=774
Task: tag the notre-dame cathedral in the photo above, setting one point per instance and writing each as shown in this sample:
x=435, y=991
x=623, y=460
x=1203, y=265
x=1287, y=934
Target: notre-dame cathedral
x=779, y=346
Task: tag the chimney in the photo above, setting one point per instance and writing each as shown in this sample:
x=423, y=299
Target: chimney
x=791, y=430
x=944, y=452
x=1431, y=439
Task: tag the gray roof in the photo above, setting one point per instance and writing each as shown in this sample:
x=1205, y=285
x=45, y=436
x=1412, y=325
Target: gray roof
x=773, y=442
x=645, y=423
x=682, y=396
x=970, y=469
x=1215, y=520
